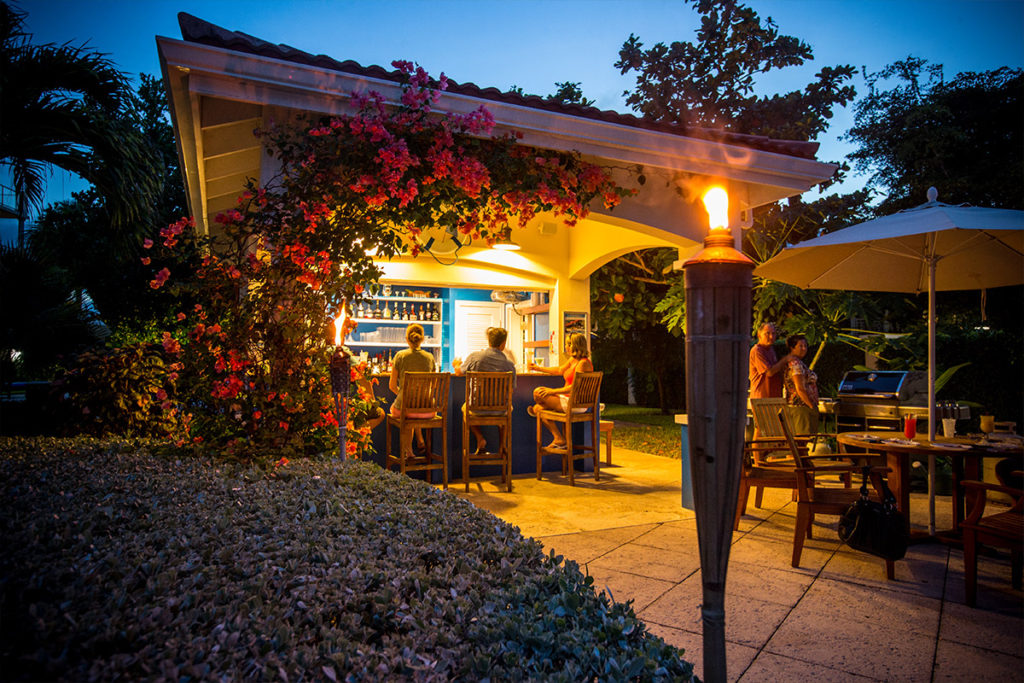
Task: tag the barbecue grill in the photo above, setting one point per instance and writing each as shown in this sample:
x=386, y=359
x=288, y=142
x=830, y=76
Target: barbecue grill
x=878, y=399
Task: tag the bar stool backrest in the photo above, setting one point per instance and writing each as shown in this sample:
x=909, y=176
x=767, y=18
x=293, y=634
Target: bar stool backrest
x=489, y=391
x=586, y=389
x=425, y=391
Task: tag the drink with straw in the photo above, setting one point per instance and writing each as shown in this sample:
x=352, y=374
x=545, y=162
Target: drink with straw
x=910, y=426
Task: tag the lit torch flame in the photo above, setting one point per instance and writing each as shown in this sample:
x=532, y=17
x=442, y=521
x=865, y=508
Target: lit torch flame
x=339, y=325
x=716, y=201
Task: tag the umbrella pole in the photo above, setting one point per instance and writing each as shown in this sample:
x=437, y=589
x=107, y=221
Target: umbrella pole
x=931, y=391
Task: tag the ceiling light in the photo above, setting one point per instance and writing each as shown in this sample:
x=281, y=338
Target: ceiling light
x=505, y=242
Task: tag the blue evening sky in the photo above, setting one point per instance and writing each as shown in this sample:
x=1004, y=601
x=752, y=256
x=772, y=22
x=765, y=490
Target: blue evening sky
x=534, y=43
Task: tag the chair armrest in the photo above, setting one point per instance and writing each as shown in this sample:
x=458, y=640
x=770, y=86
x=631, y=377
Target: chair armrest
x=980, y=489
x=1008, y=490
x=829, y=468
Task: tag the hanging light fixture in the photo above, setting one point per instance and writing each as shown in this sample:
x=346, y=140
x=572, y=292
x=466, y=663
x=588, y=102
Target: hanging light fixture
x=504, y=242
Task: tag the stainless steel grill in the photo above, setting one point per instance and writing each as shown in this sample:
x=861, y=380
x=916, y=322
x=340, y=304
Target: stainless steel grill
x=878, y=399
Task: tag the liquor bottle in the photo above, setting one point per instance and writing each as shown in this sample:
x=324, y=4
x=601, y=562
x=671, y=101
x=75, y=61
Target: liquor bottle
x=387, y=311
x=435, y=314
x=377, y=313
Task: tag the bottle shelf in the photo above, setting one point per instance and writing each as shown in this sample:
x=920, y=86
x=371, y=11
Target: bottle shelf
x=411, y=299
x=392, y=321
x=395, y=345
x=534, y=310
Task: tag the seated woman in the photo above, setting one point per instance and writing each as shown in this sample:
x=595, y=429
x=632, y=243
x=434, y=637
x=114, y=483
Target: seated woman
x=547, y=398
x=413, y=359
x=801, y=384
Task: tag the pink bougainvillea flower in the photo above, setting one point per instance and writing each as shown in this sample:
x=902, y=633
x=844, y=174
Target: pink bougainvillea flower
x=171, y=344
x=160, y=279
x=145, y=260
x=180, y=317
x=147, y=243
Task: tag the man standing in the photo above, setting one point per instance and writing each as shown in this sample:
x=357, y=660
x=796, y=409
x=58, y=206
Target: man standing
x=766, y=370
x=491, y=359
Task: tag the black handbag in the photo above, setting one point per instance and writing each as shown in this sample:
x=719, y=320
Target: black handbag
x=875, y=528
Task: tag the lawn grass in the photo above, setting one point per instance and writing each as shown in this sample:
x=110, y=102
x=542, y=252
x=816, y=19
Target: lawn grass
x=645, y=430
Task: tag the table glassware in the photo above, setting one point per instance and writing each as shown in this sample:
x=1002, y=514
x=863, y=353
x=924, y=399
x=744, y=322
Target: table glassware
x=949, y=427
x=910, y=426
x=988, y=425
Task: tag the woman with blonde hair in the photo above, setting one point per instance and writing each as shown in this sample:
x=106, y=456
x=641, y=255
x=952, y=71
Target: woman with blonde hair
x=412, y=359
x=547, y=398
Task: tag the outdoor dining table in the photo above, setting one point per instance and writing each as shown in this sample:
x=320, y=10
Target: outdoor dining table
x=965, y=455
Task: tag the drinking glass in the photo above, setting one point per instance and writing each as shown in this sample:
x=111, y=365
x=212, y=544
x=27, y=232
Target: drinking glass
x=988, y=424
x=910, y=426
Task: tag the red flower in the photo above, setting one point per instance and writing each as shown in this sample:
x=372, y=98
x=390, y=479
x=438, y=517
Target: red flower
x=619, y=298
x=146, y=260
x=147, y=243
x=171, y=345
x=180, y=316
x=160, y=279
x=283, y=425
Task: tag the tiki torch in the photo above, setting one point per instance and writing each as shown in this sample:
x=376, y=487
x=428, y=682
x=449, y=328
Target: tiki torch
x=718, y=283
x=341, y=365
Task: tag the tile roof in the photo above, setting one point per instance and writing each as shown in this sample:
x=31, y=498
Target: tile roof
x=196, y=30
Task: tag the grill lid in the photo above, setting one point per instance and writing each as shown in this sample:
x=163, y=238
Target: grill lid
x=897, y=384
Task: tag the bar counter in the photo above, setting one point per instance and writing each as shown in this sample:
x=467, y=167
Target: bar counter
x=524, y=449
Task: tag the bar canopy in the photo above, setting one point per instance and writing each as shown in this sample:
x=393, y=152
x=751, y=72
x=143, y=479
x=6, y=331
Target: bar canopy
x=222, y=85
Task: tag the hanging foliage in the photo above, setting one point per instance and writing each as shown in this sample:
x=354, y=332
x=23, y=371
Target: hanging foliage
x=250, y=359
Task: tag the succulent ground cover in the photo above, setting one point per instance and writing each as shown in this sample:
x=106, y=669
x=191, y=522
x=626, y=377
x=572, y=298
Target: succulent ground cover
x=121, y=562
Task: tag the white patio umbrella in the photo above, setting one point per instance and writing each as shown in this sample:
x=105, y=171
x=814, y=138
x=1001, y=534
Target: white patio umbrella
x=932, y=247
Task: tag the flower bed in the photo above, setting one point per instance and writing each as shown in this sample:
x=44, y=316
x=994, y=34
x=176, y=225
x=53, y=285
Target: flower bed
x=122, y=563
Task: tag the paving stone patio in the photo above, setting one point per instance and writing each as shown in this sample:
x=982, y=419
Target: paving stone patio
x=836, y=618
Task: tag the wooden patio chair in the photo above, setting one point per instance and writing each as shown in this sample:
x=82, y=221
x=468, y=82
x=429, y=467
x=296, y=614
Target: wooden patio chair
x=769, y=449
x=816, y=499
x=423, y=394
x=1001, y=530
x=488, y=404
x=582, y=407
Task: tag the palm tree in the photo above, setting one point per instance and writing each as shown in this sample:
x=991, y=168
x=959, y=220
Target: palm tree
x=66, y=106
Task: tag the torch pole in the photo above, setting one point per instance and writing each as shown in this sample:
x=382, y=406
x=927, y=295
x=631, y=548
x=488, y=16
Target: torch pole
x=718, y=284
x=341, y=364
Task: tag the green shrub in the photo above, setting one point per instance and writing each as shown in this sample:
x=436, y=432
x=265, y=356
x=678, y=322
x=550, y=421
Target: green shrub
x=126, y=391
x=121, y=563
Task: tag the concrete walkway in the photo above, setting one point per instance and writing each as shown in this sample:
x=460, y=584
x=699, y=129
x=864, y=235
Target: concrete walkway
x=836, y=618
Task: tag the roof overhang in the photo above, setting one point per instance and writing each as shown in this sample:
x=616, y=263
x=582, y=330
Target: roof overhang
x=218, y=96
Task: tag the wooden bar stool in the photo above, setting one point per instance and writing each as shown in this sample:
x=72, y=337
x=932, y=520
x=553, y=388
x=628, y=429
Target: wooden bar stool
x=606, y=427
x=424, y=406
x=488, y=404
x=582, y=407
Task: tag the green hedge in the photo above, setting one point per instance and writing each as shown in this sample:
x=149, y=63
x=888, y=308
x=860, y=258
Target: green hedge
x=121, y=563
